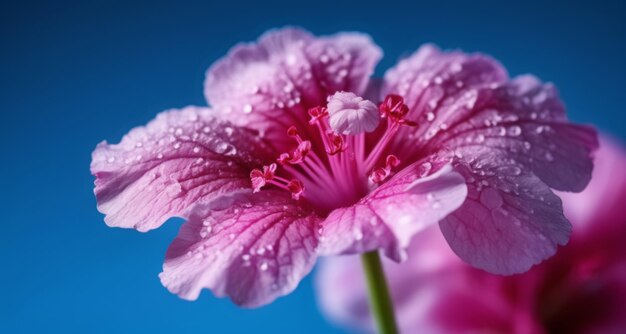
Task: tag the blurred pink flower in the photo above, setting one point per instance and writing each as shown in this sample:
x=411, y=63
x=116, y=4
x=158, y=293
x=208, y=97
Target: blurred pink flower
x=580, y=290
x=293, y=160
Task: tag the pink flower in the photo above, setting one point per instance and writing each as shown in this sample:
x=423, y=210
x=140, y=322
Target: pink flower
x=580, y=290
x=284, y=165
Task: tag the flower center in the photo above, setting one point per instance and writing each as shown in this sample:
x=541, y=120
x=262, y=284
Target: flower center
x=344, y=167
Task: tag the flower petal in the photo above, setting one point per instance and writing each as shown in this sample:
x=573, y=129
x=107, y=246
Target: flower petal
x=595, y=210
x=181, y=157
x=525, y=120
x=437, y=86
x=270, y=85
x=389, y=216
x=510, y=220
x=252, y=248
x=433, y=292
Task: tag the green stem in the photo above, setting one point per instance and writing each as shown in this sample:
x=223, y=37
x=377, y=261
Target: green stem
x=380, y=301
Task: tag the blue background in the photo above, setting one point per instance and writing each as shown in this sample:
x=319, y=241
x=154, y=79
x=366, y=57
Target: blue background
x=75, y=73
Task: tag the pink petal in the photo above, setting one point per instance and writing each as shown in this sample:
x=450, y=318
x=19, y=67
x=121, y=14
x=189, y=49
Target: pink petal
x=600, y=204
x=433, y=291
x=583, y=286
x=510, y=220
x=269, y=85
x=526, y=121
x=180, y=158
x=350, y=114
x=252, y=248
x=390, y=215
x=436, y=87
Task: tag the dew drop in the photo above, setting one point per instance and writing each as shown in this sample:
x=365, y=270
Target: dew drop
x=539, y=129
x=174, y=189
x=424, y=169
x=358, y=235
x=247, y=108
x=206, y=231
x=228, y=130
x=510, y=170
x=225, y=148
x=430, y=116
x=263, y=266
x=291, y=59
x=288, y=88
x=208, y=221
x=515, y=131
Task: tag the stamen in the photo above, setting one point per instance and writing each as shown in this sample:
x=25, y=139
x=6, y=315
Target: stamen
x=394, y=109
x=297, y=156
x=296, y=187
x=336, y=144
x=333, y=178
x=260, y=178
x=316, y=114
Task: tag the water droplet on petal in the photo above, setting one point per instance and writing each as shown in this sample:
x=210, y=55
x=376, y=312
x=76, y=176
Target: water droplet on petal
x=247, y=108
x=515, y=131
x=225, y=148
x=174, y=189
x=424, y=169
x=358, y=235
x=263, y=266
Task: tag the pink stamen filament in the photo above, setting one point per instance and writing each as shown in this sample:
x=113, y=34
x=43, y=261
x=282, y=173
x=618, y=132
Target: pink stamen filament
x=340, y=175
